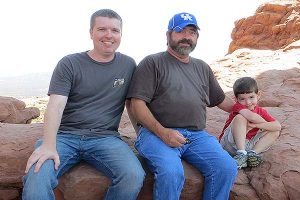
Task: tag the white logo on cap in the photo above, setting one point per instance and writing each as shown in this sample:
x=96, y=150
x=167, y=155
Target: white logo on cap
x=186, y=17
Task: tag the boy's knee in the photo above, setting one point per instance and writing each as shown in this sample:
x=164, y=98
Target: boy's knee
x=240, y=118
x=276, y=134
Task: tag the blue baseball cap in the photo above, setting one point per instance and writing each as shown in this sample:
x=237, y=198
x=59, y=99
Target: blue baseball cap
x=181, y=20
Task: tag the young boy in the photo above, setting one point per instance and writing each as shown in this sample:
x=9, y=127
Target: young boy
x=249, y=129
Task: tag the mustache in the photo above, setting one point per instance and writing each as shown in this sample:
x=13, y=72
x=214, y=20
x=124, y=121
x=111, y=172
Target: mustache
x=190, y=42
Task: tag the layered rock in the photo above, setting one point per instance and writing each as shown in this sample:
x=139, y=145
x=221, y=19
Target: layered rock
x=278, y=76
x=273, y=26
x=277, y=178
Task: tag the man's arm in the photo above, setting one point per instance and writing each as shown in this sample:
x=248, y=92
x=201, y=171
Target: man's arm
x=143, y=115
x=52, y=119
x=131, y=117
x=226, y=104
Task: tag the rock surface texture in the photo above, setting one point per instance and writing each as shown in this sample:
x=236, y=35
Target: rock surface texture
x=14, y=111
x=273, y=26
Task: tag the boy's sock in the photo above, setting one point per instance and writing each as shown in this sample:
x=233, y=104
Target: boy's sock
x=241, y=158
x=243, y=151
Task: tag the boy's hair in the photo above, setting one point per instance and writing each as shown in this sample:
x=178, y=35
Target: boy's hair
x=104, y=13
x=245, y=85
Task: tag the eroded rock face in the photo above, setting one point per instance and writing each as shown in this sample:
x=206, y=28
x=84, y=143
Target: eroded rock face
x=278, y=76
x=14, y=111
x=277, y=178
x=273, y=26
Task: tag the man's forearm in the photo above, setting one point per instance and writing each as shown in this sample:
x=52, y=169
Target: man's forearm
x=143, y=115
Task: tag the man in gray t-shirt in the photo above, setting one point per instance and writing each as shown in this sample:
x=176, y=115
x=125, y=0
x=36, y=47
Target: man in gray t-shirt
x=169, y=93
x=87, y=97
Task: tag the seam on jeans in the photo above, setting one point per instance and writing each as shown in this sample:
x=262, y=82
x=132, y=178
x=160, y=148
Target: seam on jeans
x=212, y=169
x=64, y=163
x=107, y=169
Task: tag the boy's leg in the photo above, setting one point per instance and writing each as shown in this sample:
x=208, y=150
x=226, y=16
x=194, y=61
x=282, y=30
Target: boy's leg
x=239, y=131
x=40, y=185
x=164, y=162
x=115, y=159
x=217, y=166
x=265, y=141
x=229, y=145
x=261, y=142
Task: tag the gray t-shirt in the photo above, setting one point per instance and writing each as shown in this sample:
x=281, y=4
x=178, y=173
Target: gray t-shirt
x=176, y=93
x=96, y=92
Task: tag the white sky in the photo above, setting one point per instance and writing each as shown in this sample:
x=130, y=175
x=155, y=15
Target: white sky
x=36, y=34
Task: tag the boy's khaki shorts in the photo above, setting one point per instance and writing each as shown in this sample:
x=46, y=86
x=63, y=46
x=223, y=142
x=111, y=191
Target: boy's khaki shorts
x=229, y=145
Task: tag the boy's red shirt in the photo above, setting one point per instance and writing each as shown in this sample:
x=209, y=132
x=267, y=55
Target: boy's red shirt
x=236, y=109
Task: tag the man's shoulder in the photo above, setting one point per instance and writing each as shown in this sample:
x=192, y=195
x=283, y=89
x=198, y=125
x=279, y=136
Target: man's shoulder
x=199, y=61
x=74, y=56
x=155, y=56
x=124, y=56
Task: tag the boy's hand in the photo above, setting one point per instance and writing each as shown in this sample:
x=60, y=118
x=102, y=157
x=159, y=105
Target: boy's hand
x=251, y=125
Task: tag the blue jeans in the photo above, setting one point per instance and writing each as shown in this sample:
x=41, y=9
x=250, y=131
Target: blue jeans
x=108, y=154
x=204, y=152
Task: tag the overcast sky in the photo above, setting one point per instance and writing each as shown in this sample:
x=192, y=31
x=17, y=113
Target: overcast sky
x=35, y=34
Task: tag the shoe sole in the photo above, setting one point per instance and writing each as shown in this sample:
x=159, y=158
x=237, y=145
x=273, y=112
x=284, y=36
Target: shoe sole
x=242, y=166
x=254, y=161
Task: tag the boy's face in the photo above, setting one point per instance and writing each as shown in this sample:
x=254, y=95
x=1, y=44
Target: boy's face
x=248, y=99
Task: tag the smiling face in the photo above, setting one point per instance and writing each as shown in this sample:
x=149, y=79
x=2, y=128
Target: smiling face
x=248, y=99
x=106, y=35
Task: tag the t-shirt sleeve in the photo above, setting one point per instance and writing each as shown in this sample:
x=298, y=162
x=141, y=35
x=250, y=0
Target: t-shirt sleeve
x=264, y=114
x=237, y=107
x=216, y=94
x=61, y=80
x=144, y=81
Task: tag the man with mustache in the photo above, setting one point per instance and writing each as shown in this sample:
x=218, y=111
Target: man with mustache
x=169, y=94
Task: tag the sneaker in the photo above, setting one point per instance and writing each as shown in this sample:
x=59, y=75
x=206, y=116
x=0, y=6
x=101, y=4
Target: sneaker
x=241, y=160
x=254, y=159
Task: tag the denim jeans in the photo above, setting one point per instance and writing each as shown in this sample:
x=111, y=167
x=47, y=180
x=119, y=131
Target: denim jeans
x=108, y=154
x=204, y=152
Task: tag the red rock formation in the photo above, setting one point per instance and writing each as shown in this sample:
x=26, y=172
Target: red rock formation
x=278, y=75
x=14, y=111
x=273, y=26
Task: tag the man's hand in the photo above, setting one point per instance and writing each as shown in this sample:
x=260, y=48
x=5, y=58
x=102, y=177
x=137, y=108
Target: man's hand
x=172, y=138
x=40, y=155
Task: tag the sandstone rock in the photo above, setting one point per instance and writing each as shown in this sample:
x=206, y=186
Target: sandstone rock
x=14, y=111
x=278, y=75
x=84, y=182
x=273, y=26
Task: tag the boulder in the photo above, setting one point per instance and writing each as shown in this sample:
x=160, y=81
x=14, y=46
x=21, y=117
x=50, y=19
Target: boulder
x=14, y=111
x=274, y=25
x=82, y=181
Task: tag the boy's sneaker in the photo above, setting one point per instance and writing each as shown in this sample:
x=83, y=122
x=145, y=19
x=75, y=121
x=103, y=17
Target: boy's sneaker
x=254, y=159
x=241, y=160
